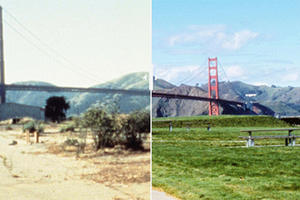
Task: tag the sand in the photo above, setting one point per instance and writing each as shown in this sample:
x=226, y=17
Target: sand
x=31, y=171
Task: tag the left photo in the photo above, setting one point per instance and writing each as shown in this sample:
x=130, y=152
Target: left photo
x=75, y=99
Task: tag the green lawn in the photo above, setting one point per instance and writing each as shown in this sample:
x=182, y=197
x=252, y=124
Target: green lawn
x=199, y=164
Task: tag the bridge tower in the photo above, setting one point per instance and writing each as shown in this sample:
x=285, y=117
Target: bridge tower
x=2, y=75
x=213, y=86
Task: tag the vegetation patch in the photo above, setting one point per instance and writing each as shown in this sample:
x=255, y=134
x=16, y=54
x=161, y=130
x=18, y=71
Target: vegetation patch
x=67, y=128
x=33, y=126
x=219, y=121
x=111, y=128
x=194, y=163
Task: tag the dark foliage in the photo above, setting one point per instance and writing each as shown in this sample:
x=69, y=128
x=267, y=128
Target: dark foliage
x=56, y=108
x=136, y=126
x=110, y=128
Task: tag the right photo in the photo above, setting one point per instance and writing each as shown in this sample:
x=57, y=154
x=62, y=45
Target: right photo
x=225, y=99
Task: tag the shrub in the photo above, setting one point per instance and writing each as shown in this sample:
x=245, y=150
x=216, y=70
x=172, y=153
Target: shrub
x=136, y=125
x=29, y=126
x=33, y=126
x=69, y=127
x=8, y=128
x=102, y=125
x=39, y=128
x=76, y=121
x=72, y=142
x=110, y=128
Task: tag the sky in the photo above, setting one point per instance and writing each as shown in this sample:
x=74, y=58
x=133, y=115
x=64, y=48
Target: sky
x=75, y=42
x=257, y=41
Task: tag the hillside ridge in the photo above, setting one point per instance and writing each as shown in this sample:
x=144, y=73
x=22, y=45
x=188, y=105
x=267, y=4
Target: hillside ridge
x=269, y=100
x=80, y=102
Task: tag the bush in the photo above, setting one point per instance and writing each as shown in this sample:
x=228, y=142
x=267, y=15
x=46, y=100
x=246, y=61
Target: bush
x=29, y=126
x=110, y=128
x=8, y=128
x=69, y=127
x=40, y=128
x=103, y=127
x=72, y=142
x=33, y=126
x=77, y=121
x=135, y=127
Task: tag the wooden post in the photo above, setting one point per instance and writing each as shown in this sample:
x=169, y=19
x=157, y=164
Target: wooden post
x=27, y=137
x=36, y=137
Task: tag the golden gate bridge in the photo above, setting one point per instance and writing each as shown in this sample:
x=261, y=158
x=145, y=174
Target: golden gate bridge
x=213, y=86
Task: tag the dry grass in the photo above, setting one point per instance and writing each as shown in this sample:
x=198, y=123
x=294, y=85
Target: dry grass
x=124, y=172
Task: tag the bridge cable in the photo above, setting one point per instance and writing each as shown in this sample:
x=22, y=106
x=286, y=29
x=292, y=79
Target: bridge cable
x=42, y=42
x=199, y=72
x=38, y=48
x=195, y=75
x=189, y=78
x=47, y=46
x=230, y=83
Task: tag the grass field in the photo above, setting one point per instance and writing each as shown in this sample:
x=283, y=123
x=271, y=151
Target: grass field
x=193, y=163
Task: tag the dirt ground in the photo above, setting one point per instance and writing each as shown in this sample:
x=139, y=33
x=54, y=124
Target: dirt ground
x=42, y=171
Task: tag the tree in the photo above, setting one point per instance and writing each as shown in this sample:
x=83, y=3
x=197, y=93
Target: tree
x=56, y=108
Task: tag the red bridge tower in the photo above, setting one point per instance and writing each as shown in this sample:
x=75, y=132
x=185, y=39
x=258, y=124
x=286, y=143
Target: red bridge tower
x=213, y=86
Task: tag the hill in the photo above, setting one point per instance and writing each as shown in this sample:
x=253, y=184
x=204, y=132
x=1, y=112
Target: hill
x=268, y=100
x=79, y=102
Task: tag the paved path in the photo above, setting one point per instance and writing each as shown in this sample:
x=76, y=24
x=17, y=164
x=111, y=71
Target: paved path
x=157, y=195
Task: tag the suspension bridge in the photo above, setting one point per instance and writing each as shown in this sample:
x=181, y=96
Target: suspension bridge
x=213, y=84
x=18, y=87
x=213, y=98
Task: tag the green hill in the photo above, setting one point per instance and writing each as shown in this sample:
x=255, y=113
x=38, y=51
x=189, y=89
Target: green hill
x=79, y=102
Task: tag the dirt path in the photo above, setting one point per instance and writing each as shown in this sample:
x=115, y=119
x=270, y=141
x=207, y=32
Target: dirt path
x=29, y=172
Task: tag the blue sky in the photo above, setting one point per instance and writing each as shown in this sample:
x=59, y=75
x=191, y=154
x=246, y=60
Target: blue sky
x=257, y=41
x=100, y=39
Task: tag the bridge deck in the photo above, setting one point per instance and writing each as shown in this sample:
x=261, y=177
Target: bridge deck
x=77, y=89
x=181, y=96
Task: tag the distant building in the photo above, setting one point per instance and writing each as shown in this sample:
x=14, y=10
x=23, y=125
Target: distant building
x=14, y=110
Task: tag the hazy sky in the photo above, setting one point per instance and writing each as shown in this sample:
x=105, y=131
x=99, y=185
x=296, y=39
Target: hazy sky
x=256, y=41
x=76, y=42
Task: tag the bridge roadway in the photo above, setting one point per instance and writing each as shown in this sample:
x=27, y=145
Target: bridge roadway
x=181, y=96
x=135, y=92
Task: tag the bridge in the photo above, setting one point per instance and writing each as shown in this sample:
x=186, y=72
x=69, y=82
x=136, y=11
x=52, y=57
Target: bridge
x=213, y=88
x=135, y=92
x=213, y=92
x=16, y=87
x=156, y=93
